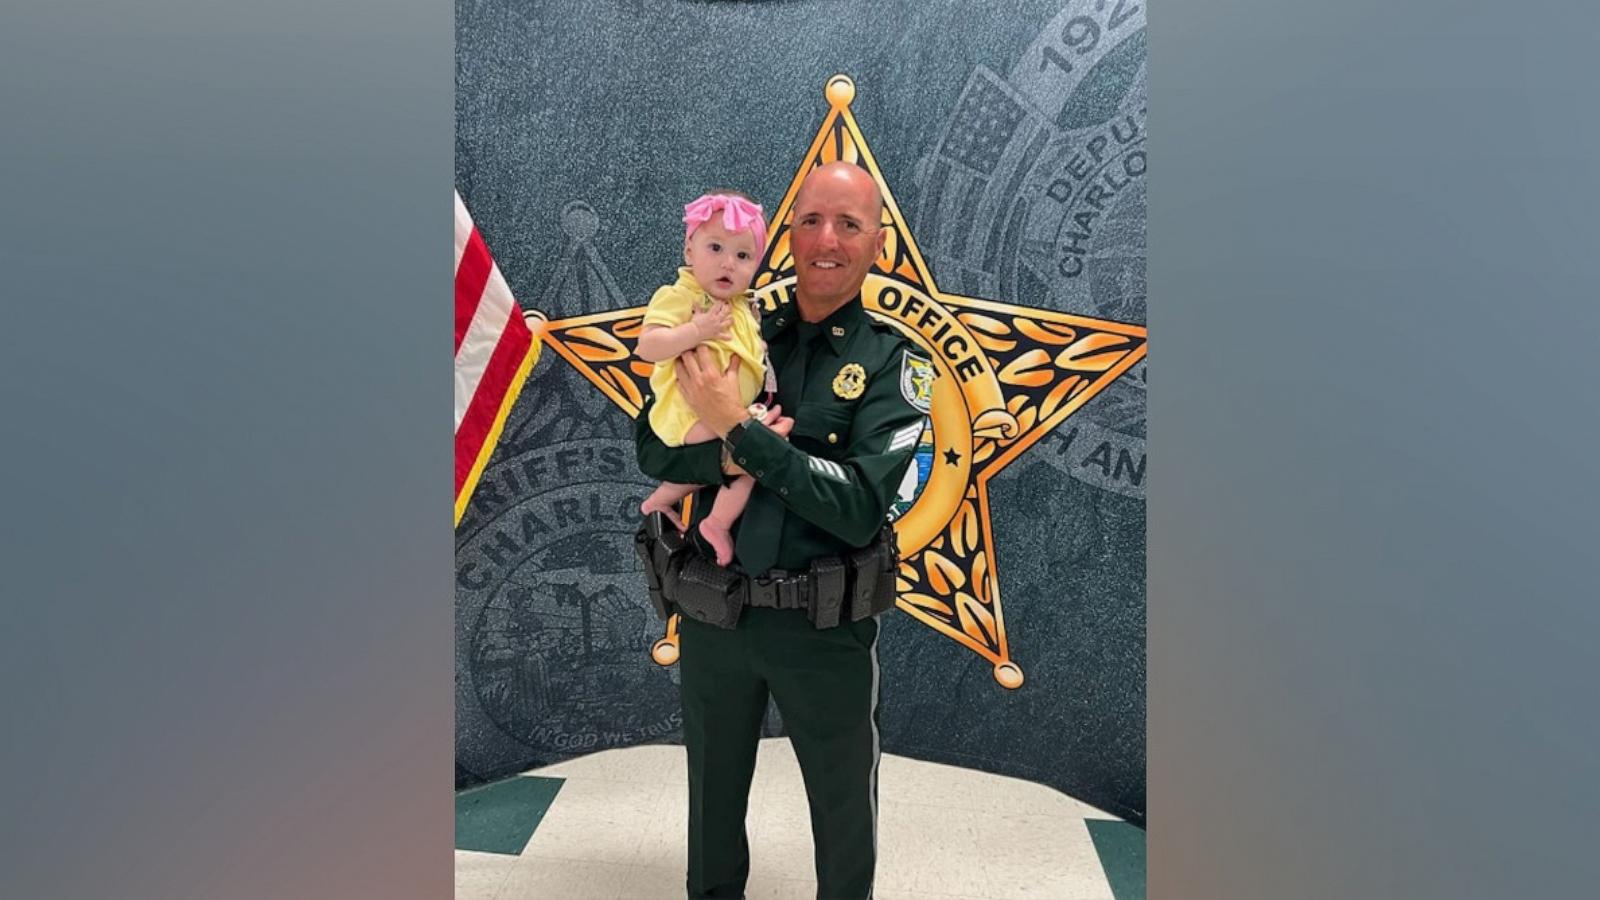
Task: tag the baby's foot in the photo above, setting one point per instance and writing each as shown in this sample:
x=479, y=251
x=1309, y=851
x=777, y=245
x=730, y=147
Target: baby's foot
x=652, y=505
x=720, y=539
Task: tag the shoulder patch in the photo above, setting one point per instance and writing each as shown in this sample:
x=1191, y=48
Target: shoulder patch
x=916, y=381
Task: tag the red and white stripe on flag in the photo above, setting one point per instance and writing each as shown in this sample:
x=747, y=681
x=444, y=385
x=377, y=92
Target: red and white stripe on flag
x=495, y=348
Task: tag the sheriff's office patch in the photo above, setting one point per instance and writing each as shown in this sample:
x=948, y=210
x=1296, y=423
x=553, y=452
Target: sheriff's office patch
x=916, y=381
x=850, y=382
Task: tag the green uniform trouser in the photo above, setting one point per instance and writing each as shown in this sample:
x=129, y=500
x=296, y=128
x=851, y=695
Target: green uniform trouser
x=825, y=683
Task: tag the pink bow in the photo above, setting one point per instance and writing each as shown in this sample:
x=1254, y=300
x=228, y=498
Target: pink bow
x=738, y=214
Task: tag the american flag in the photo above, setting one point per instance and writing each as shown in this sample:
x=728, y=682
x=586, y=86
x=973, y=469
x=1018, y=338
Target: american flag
x=495, y=348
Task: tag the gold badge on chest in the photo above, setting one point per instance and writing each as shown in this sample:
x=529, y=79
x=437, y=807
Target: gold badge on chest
x=850, y=382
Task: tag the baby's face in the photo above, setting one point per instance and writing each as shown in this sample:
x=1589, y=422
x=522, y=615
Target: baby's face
x=723, y=261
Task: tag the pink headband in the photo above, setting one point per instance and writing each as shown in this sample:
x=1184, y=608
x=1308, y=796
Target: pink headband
x=738, y=214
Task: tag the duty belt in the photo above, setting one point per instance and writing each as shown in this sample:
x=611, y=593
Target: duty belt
x=779, y=590
x=682, y=580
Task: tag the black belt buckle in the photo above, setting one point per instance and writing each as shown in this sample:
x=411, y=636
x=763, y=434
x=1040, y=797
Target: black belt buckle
x=791, y=592
x=777, y=591
x=761, y=592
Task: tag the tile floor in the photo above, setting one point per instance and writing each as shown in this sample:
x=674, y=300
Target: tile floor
x=615, y=831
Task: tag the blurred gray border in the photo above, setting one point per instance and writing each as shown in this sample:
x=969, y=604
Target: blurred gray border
x=226, y=645
x=1373, y=285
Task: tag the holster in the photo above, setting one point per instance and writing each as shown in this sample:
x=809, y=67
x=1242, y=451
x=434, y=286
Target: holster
x=872, y=572
x=681, y=580
x=662, y=550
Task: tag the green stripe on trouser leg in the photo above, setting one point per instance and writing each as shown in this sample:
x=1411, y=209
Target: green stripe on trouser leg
x=826, y=686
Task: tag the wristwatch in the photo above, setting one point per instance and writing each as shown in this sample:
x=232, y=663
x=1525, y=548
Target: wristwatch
x=734, y=433
x=757, y=411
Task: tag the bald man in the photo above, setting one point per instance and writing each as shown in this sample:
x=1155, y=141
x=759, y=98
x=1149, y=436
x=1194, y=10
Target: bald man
x=814, y=556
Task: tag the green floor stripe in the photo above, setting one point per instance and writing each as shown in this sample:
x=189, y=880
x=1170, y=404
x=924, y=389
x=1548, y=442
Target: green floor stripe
x=1121, y=849
x=500, y=817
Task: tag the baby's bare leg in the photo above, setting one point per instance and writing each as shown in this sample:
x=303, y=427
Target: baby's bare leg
x=699, y=434
x=665, y=499
x=717, y=526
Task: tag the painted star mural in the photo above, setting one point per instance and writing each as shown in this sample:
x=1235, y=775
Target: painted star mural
x=1007, y=376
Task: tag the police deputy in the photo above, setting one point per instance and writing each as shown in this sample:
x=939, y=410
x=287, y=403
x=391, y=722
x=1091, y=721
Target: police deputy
x=796, y=614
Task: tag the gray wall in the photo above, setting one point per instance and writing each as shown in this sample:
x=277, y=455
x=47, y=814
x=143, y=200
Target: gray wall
x=582, y=128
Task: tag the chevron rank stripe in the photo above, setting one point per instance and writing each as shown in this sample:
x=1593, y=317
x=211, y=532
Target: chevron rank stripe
x=829, y=469
x=905, y=437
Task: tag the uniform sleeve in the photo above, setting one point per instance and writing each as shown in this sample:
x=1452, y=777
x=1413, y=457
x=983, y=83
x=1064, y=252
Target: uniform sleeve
x=669, y=307
x=849, y=496
x=689, y=464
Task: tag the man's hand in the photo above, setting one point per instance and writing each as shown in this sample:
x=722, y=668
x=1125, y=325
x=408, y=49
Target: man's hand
x=715, y=323
x=713, y=395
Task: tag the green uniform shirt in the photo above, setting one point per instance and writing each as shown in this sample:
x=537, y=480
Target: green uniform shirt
x=859, y=394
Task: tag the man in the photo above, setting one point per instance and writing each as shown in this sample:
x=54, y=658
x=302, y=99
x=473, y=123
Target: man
x=858, y=394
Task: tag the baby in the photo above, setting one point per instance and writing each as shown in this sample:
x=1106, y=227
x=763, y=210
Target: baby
x=709, y=304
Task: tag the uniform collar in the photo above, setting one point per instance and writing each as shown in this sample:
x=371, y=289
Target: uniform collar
x=837, y=328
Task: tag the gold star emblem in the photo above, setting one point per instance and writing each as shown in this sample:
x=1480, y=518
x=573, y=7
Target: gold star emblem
x=1008, y=375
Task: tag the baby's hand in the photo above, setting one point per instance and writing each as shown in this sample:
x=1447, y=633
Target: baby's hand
x=777, y=421
x=715, y=323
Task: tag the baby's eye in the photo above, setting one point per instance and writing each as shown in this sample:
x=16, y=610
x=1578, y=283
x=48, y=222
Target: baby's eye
x=744, y=254
x=716, y=247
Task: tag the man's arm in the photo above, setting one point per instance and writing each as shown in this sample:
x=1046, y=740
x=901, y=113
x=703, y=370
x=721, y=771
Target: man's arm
x=850, y=496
